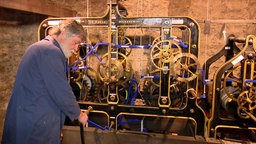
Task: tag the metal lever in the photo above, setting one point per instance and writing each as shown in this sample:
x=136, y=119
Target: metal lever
x=82, y=127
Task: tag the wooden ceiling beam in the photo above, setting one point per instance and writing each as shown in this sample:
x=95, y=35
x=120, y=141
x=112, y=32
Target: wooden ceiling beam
x=37, y=6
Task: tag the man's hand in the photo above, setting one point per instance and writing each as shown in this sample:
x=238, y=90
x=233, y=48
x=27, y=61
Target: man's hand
x=83, y=118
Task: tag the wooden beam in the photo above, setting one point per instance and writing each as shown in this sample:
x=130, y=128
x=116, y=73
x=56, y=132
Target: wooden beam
x=17, y=17
x=37, y=6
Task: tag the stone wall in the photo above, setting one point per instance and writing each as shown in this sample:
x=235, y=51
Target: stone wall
x=18, y=29
x=235, y=17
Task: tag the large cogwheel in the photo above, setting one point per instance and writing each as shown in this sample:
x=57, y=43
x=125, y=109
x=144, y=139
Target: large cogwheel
x=163, y=52
x=232, y=83
x=246, y=104
x=125, y=41
x=185, y=67
x=117, y=69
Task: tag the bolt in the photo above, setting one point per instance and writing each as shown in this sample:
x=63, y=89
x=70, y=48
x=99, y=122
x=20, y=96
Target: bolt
x=164, y=100
x=112, y=108
x=164, y=111
x=191, y=24
x=44, y=25
x=250, y=56
x=194, y=46
x=112, y=97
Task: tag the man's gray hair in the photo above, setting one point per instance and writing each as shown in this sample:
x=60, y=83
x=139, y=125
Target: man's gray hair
x=70, y=25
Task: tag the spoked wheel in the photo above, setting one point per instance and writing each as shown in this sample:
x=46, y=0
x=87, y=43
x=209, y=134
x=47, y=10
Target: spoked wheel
x=232, y=83
x=185, y=67
x=101, y=95
x=156, y=40
x=125, y=41
x=163, y=52
x=246, y=104
x=156, y=72
x=117, y=69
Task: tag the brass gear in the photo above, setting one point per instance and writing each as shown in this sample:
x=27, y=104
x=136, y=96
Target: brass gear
x=155, y=81
x=112, y=72
x=118, y=70
x=156, y=40
x=125, y=41
x=234, y=82
x=247, y=101
x=185, y=67
x=163, y=52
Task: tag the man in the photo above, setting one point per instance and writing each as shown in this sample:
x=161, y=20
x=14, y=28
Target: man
x=42, y=96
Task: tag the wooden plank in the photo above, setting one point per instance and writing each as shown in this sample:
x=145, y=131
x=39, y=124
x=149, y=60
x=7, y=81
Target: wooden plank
x=17, y=17
x=37, y=6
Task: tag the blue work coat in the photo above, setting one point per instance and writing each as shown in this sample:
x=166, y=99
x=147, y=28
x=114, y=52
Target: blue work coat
x=41, y=97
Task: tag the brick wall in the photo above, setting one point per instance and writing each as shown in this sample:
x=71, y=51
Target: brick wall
x=18, y=29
